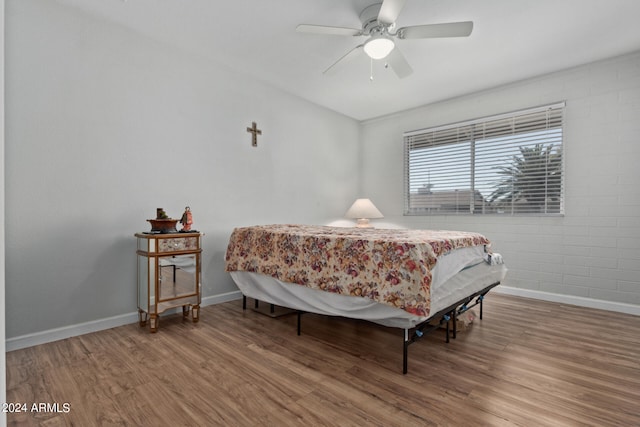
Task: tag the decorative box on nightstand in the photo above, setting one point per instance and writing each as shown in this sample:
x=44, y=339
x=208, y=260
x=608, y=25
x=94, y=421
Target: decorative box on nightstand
x=168, y=275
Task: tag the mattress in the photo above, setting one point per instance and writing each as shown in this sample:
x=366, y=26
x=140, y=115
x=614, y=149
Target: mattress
x=466, y=282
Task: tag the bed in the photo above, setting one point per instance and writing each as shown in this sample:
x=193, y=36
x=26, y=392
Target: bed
x=416, y=280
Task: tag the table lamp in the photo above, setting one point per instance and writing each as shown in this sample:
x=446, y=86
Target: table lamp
x=362, y=210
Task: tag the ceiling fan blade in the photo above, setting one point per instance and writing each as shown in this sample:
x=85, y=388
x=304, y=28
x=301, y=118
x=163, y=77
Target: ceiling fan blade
x=397, y=61
x=347, y=57
x=451, y=29
x=390, y=10
x=324, y=29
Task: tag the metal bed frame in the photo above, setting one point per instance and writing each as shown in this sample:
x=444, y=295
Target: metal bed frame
x=443, y=317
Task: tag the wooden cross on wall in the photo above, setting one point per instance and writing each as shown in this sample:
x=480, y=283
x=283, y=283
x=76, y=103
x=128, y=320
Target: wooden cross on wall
x=255, y=132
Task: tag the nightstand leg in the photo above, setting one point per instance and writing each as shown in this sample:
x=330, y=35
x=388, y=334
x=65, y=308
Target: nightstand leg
x=142, y=316
x=153, y=322
x=195, y=313
x=185, y=311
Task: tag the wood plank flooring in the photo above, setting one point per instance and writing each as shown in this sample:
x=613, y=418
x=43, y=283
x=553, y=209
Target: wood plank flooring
x=527, y=363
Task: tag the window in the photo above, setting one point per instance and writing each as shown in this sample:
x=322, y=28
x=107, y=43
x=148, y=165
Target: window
x=507, y=164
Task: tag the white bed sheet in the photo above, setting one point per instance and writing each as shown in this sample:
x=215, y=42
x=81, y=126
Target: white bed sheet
x=443, y=294
x=452, y=262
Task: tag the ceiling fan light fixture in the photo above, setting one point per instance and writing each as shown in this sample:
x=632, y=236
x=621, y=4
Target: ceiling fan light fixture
x=378, y=47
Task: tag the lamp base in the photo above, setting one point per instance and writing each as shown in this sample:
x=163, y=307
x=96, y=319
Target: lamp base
x=363, y=223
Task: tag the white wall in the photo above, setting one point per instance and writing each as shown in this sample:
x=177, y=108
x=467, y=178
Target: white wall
x=103, y=126
x=593, y=252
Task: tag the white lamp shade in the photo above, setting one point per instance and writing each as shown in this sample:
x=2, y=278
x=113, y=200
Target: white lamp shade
x=363, y=210
x=378, y=47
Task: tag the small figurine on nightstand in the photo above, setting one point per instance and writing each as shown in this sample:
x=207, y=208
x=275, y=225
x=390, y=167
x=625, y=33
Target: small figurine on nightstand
x=187, y=219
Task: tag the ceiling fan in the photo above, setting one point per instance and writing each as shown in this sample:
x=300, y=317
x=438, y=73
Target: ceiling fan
x=378, y=23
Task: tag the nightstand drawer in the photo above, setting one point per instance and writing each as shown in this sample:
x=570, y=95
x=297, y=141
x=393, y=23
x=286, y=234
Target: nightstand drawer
x=178, y=244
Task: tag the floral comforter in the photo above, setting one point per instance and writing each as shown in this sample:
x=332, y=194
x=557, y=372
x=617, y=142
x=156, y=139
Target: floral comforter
x=389, y=266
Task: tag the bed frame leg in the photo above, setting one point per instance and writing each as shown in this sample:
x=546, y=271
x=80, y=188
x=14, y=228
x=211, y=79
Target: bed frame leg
x=299, y=322
x=405, y=352
x=447, y=318
x=453, y=327
x=480, y=299
x=244, y=302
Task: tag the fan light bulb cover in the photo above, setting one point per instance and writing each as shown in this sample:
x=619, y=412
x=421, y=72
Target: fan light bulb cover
x=378, y=47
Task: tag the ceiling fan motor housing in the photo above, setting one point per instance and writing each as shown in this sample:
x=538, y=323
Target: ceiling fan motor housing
x=369, y=19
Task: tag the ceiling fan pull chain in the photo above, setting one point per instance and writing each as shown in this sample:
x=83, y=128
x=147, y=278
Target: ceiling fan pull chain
x=371, y=69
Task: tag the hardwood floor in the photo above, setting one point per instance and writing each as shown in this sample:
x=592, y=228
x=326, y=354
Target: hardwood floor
x=527, y=363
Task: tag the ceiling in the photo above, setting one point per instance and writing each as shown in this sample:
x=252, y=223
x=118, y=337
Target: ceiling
x=511, y=40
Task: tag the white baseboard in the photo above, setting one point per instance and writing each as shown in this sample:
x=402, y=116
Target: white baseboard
x=220, y=298
x=619, y=307
x=56, y=334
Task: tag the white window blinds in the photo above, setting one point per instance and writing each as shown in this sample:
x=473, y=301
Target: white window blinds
x=506, y=164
